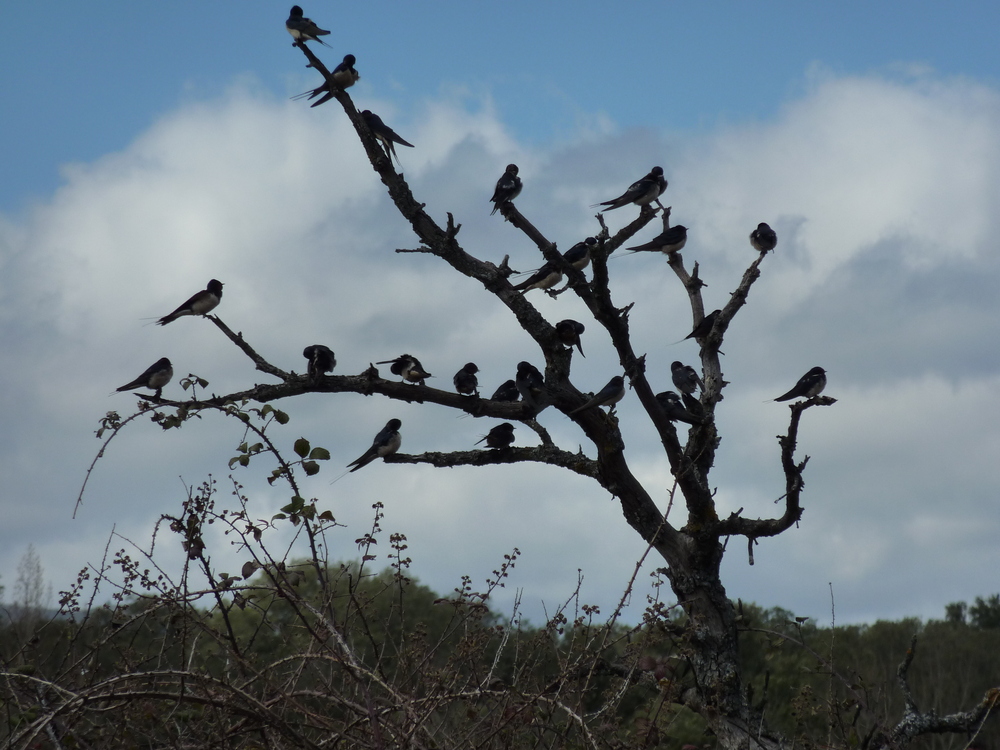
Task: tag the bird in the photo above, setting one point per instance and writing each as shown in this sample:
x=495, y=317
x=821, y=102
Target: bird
x=763, y=238
x=529, y=383
x=809, y=385
x=385, y=444
x=674, y=408
x=344, y=75
x=507, y=189
x=549, y=275
x=201, y=303
x=641, y=192
x=321, y=360
x=578, y=256
x=704, y=327
x=465, y=380
x=384, y=133
x=669, y=241
x=609, y=395
x=545, y=277
x=500, y=436
x=685, y=378
x=568, y=331
x=506, y=392
x=407, y=367
x=155, y=377
x=303, y=29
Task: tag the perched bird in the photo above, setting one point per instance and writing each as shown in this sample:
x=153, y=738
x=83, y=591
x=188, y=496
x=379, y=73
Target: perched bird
x=545, y=277
x=500, y=436
x=763, y=238
x=704, y=327
x=674, y=408
x=384, y=133
x=385, y=444
x=548, y=275
x=344, y=75
x=507, y=189
x=529, y=383
x=155, y=377
x=641, y=192
x=569, y=332
x=609, y=395
x=685, y=378
x=506, y=392
x=669, y=241
x=201, y=303
x=303, y=29
x=321, y=360
x=809, y=385
x=465, y=380
x=408, y=368
x=578, y=256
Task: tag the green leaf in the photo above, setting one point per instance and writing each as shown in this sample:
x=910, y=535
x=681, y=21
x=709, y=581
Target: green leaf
x=233, y=461
x=267, y=409
x=320, y=454
x=302, y=447
x=311, y=467
x=278, y=517
x=249, y=568
x=280, y=417
x=244, y=460
x=326, y=516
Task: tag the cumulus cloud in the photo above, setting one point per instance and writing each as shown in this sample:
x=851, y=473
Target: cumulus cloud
x=882, y=193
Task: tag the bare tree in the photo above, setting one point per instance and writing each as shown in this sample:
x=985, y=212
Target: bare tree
x=707, y=636
x=31, y=594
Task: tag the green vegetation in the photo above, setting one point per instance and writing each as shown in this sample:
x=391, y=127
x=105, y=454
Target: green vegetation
x=300, y=656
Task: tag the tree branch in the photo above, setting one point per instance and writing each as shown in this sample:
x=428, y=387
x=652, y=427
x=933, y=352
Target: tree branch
x=576, y=462
x=754, y=528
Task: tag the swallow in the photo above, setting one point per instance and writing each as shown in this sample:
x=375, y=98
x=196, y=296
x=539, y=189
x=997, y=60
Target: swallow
x=763, y=238
x=321, y=360
x=344, y=75
x=568, y=332
x=529, y=382
x=385, y=444
x=641, y=192
x=609, y=395
x=465, y=380
x=809, y=385
x=685, y=378
x=669, y=241
x=674, y=408
x=704, y=327
x=506, y=392
x=507, y=189
x=407, y=367
x=384, y=133
x=201, y=303
x=499, y=437
x=545, y=277
x=155, y=377
x=303, y=29
x=578, y=256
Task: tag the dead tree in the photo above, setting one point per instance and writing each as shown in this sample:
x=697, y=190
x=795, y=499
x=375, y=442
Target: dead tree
x=692, y=553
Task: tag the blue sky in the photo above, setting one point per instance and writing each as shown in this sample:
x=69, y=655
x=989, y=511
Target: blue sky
x=106, y=73
x=147, y=148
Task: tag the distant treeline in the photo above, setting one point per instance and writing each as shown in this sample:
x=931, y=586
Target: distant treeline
x=274, y=641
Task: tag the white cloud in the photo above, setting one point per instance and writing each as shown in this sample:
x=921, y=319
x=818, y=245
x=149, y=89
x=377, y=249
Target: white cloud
x=882, y=193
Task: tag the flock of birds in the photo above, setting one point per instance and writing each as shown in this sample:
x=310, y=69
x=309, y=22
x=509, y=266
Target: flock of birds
x=528, y=385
